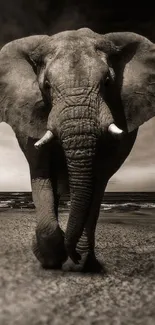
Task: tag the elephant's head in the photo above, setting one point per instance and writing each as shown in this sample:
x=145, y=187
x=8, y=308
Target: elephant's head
x=91, y=85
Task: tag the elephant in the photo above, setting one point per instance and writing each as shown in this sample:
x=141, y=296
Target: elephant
x=75, y=101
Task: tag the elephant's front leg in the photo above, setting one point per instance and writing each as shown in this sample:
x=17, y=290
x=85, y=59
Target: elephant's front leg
x=48, y=242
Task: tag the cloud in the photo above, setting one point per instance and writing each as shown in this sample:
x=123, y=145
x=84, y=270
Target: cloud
x=14, y=169
x=12, y=179
x=133, y=178
x=138, y=171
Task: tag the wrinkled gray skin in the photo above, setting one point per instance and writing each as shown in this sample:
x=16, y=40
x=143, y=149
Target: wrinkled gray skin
x=75, y=84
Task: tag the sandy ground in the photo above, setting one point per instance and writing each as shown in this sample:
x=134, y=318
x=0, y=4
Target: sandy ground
x=29, y=295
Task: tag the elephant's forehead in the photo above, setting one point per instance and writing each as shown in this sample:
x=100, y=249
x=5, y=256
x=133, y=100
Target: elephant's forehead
x=75, y=49
x=71, y=45
x=74, y=34
x=72, y=41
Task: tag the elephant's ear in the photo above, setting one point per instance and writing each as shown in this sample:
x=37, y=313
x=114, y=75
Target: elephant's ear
x=22, y=104
x=134, y=66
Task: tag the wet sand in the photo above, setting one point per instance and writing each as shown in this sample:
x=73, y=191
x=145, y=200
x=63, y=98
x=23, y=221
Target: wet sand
x=125, y=242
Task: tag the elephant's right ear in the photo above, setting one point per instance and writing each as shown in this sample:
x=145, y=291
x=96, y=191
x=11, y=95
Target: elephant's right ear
x=134, y=66
x=22, y=104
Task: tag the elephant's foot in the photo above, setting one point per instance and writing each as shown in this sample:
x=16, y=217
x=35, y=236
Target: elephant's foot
x=49, y=249
x=87, y=264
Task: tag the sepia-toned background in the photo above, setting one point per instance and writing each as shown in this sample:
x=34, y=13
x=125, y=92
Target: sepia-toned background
x=21, y=18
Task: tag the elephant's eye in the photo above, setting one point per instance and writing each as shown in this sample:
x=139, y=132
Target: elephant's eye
x=47, y=84
x=107, y=80
x=109, y=77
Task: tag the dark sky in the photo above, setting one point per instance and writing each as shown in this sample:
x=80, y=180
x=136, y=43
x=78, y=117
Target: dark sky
x=19, y=18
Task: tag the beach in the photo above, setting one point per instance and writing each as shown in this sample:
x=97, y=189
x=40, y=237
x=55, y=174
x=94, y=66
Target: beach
x=125, y=294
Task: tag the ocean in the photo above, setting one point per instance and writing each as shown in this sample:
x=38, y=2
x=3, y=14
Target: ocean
x=123, y=201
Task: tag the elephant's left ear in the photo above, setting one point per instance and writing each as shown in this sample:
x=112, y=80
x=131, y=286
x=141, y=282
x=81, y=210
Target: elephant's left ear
x=134, y=66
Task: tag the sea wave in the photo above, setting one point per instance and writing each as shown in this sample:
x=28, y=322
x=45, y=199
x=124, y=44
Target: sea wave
x=128, y=205
x=121, y=202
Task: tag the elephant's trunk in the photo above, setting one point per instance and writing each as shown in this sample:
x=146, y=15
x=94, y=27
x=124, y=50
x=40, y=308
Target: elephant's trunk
x=81, y=184
x=79, y=142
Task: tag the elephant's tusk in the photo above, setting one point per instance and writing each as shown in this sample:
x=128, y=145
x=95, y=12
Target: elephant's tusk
x=114, y=130
x=45, y=139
